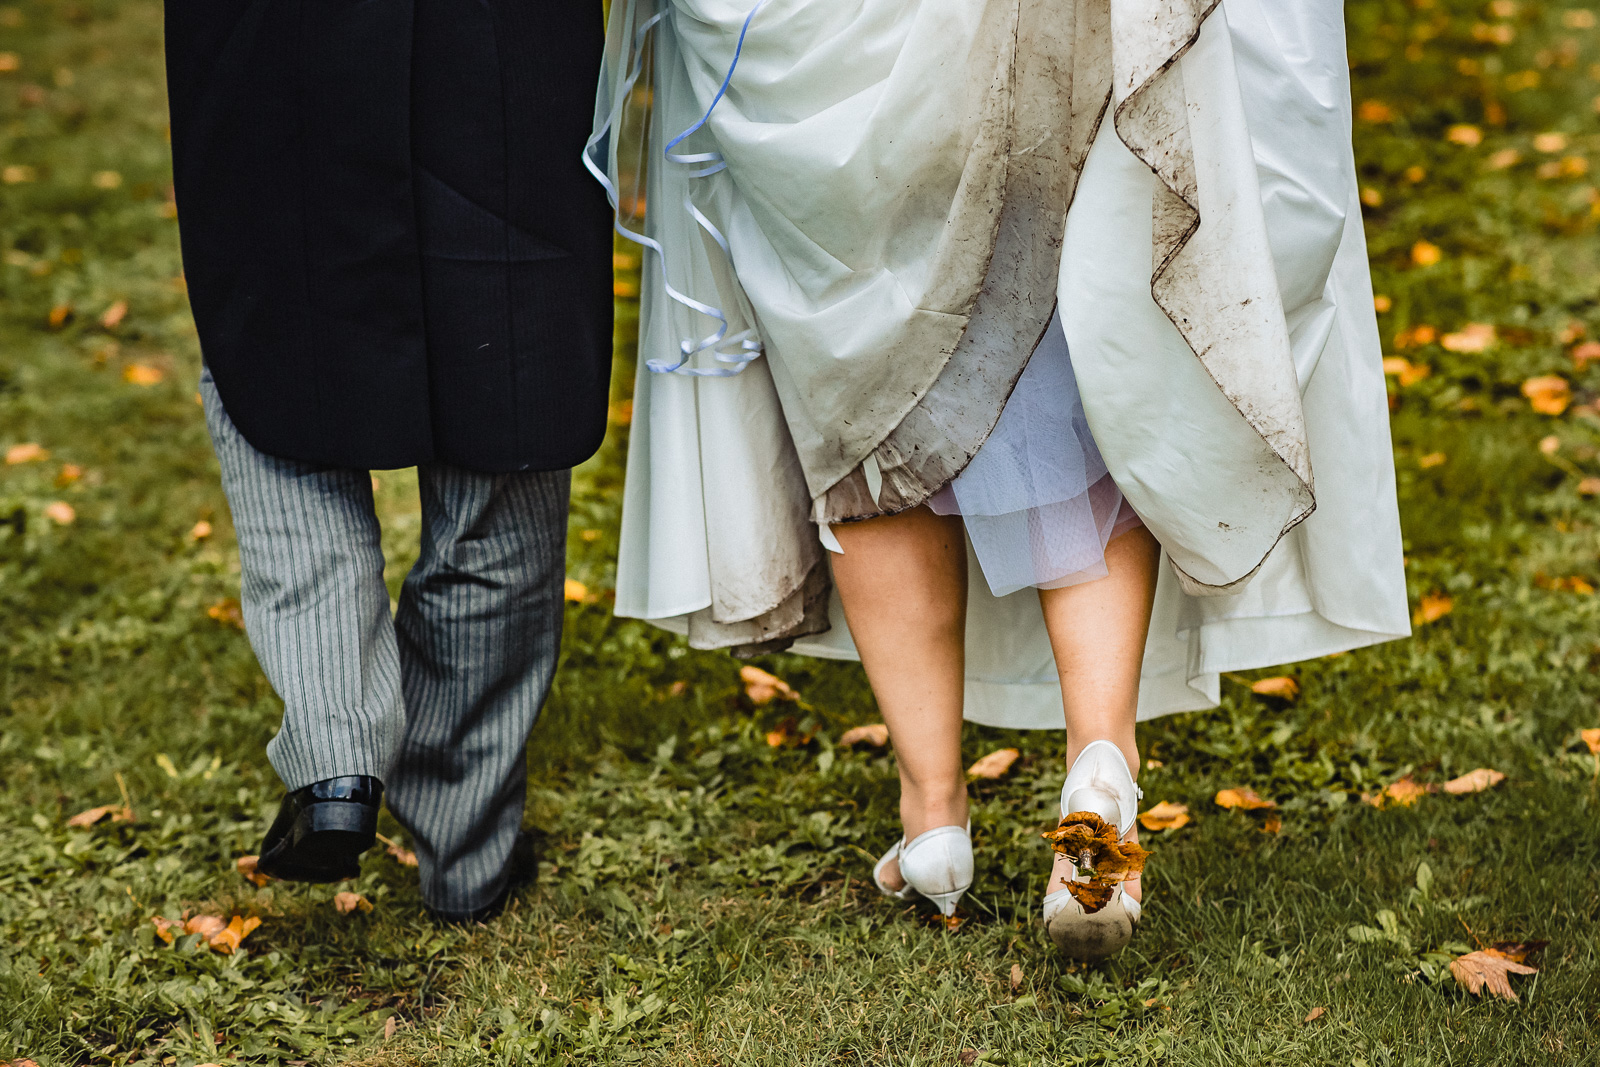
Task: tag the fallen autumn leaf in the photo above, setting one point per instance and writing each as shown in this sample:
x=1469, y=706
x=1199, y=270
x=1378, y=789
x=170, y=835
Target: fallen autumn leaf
x=246, y=866
x=222, y=936
x=347, y=903
x=875, y=734
x=1315, y=1014
x=1474, y=781
x=61, y=513
x=1165, y=816
x=1488, y=969
x=1473, y=337
x=228, y=612
x=1548, y=394
x=1431, y=608
x=28, y=452
x=144, y=374
x=118, y=813
x=994, y=765
x=763, y=688
x=1243, y=799
x=1281, y=688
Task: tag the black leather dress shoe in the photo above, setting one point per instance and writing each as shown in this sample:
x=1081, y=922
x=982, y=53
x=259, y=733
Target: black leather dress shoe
x=322, y=830
x=522, y=868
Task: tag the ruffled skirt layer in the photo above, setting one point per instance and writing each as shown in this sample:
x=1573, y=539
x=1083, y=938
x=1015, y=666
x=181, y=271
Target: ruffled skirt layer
x=1037, y=501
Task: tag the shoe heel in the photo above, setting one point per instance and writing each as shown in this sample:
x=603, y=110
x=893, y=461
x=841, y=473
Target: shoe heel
x=337, y=816
x=946, y=902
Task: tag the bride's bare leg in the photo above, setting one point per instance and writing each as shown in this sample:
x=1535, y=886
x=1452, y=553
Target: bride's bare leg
x=1097, y=631
x=903, y=582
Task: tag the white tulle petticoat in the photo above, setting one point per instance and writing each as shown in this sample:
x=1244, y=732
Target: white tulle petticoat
x=1037, y=501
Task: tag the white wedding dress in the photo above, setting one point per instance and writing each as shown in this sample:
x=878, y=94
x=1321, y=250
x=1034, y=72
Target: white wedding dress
x=889, y=206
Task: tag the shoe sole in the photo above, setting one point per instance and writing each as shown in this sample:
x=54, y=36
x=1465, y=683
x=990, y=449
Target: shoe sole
x=1091, y=937
x=325, y=844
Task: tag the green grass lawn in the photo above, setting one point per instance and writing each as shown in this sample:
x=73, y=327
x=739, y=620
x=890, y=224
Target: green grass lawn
x=705, y=898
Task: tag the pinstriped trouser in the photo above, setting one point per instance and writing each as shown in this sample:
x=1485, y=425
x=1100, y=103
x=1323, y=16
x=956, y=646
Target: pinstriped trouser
x=437, y=701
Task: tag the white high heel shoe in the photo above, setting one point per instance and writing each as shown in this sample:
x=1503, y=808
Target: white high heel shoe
x=1099, y=781
x=936, y=864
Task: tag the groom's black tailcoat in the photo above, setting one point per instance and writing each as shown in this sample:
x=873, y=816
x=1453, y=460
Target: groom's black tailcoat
x=393, y=251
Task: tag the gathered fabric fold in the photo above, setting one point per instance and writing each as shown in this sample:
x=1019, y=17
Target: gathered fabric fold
x=858, y=223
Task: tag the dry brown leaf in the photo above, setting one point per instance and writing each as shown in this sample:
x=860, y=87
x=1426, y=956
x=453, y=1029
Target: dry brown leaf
x=222, y=935
x=1491, y=970
x=576, y=592
x=875, y=734
x=1374, y=111
x=1080, y=831
x=1518, y=951
x=1548, y=394
x=25, y=1062
x=1589, y=486
x=201, y=530
x=228, y=612
x=1406, y=791
x=1586, y=353
x=1243, y=799
x=994, y=765
x=1165, y=816
x=403, y=856
x=347, y=902
x=1464, y=135
x=1314, y=1015
x=247, y=867
x=61, y=513
x=1416, y=373
x=1431, y=608
x=1120, y=862
x=390, y=1026
x=763, y=688
x=1431, y=460
x=1016, y=977
x=1473, y=337
x=70, y=472
x=28, y=452
x=1426, y=254
x=118, y=813
x=1474, y=781
x=144, y=374
x=1093, y=846
x=59, y=315
x=112, y=317
x=227, y=940
x=1093, y=897
x=1282, y=687
x=621, y=412
x=1592, y=739
x=1272, y=825
x=787, y=734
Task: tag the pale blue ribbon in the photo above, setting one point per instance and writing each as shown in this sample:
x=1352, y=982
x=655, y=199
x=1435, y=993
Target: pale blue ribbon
x=748, y=349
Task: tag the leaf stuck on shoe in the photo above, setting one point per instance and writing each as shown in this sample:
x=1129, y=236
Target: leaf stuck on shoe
x=1096, y=848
